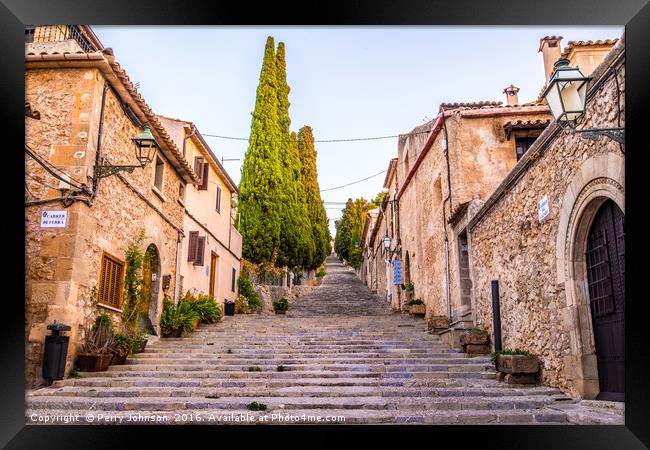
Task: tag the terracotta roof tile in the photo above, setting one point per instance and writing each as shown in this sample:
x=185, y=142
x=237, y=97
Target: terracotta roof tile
x=572, y=44
x=470, y=105
x=525, y=125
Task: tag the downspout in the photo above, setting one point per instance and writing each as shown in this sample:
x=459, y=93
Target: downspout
x=444, y=217
x=99, y=137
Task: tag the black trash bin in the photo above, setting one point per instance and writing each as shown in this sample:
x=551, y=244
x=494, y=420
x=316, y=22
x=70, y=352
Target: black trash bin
x=56, y=352
x=229, y=308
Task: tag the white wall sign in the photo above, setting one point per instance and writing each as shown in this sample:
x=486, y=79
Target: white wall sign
x=542, y=209
x=54, y=219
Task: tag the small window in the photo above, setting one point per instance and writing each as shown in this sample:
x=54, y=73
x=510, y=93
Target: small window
x=198, y=167
x=181, y=192
x=219, y=199
x=522, y=145
x=29, y=34
x=196, y=248
x=109, y=291
x=234, y=277
x=158, y=177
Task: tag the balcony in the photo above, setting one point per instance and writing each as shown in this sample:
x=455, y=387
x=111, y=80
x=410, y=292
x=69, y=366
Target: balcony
x=69, y=38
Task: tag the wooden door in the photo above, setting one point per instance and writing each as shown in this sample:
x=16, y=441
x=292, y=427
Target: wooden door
x=606, y=280
x=213, y=273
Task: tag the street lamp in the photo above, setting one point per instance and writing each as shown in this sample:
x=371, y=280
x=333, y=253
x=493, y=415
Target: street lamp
x=386, y=242
x=566, y=96
x=145, y=149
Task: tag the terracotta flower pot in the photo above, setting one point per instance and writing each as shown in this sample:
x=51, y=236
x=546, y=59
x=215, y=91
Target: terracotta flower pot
x=418, y=309
x=94, y=363
x=517, y=364
x=118, y=359
x=280, y=311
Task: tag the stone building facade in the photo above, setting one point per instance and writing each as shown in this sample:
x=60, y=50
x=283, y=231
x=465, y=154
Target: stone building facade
x=89, y=113
x=551, y=289
x=210, y=256
x=448, y=167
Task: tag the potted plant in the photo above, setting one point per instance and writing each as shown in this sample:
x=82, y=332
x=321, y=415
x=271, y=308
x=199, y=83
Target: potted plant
x=417, y=306
x=475, y=341
x=241, y=305
x=122, y=347
x=281, y=306
x=516, y=366
x=177, y=318
x=96, y=355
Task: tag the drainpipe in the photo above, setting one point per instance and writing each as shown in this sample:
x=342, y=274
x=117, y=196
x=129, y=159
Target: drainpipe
x=99, y=137
x=444, y=218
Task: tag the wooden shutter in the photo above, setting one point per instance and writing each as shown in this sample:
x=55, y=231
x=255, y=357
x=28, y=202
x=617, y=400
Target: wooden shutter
x=191, y=250
x=110, y=282
x=198, y=168
x=200, y=251
x=234, y=276
x=204, y=177
x=218, y=199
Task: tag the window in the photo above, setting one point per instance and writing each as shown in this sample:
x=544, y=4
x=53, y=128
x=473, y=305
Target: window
x=204, y=177
x=109, y=291
x=158, y=177
x=234, y=277
x=198, y=168
x=196, y=248
x=181, y=192
x=29, y=34
x=219, y=199
x=522, y=145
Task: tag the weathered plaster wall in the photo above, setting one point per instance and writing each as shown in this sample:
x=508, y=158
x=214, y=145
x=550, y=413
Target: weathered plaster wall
x=511, y=245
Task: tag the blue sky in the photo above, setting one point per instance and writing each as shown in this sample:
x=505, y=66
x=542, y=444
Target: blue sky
x=346, y=82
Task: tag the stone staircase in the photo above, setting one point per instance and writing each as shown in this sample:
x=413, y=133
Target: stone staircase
x=338, y=352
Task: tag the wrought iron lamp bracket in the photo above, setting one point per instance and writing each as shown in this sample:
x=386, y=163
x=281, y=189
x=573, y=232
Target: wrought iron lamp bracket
x=108, y=170
x=616, y=134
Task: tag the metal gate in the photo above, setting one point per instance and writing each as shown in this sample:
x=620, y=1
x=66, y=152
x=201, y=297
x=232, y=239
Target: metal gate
x=606, y=280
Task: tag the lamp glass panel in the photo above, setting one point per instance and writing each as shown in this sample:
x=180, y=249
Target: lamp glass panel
x=553, y=100
x=571, y=100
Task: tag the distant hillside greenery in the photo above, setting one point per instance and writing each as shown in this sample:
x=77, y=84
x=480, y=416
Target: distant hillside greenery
x=280, y=212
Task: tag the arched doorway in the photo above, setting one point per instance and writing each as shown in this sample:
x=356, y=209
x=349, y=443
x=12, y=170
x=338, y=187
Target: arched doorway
x=605, y=264
x=150, y=287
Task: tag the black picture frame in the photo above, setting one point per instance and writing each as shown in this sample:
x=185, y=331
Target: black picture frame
x=634, y=14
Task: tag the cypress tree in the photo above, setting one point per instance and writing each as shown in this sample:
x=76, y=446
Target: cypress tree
x=260, y=188
x=348, y=231
x=317, y=214
x=292, y=242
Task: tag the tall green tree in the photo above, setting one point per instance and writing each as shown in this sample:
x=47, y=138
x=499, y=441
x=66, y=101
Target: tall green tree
x=261, y=187
x=295, y=235
x=348, y=231
x=317, y=214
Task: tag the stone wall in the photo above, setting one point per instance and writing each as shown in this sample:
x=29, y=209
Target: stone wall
x=63, y=264
x=480, y=156
x=508, y=243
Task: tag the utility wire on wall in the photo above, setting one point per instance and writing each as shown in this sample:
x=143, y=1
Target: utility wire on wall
x=353, y=182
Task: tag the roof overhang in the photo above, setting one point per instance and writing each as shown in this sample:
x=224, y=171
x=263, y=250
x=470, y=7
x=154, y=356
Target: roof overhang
x=119, y=81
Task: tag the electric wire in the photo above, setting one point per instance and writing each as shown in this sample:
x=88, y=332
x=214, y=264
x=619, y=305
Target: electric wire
x=354, y=182
x=371, y=138
x=51, y=170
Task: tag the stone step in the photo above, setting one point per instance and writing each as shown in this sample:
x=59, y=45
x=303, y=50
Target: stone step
x=342, y=402
x=288, y=360
x=280, y=383
x=291, y=391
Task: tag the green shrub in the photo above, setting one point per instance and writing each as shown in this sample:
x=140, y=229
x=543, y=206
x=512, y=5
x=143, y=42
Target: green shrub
x=281, y=305
x=516, y=351
x=246, y=290
x=177, y=317
x=254, y=406
x=321, y=272
x=206, y=307
x=415, y=301
x=124, y=345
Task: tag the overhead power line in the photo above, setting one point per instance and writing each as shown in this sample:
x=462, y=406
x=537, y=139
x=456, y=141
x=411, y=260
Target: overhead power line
x=371, y=138
x=353, y=182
